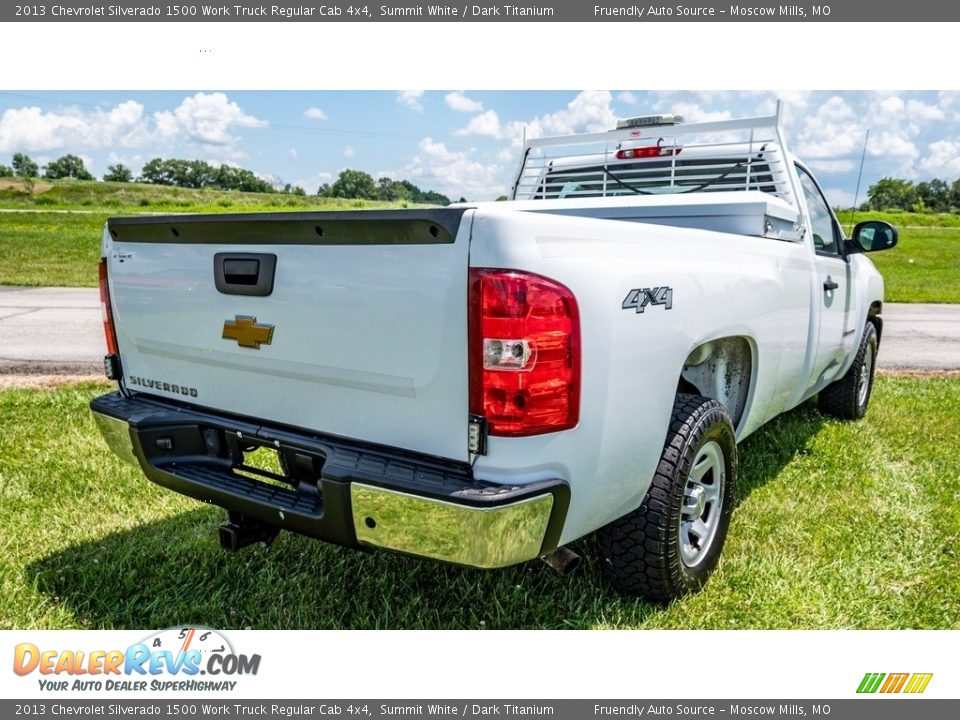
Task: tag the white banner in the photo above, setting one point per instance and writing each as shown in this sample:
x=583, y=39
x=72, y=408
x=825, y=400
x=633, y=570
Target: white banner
x=460, y=664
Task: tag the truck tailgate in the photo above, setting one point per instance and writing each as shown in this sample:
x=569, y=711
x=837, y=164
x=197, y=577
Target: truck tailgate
x=363, y=334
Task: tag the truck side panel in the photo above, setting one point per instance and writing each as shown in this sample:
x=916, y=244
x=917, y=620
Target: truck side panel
x=722, y=286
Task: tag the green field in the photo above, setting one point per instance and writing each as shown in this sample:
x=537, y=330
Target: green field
x=838, y=525
x=925, y=266
x=53, y=235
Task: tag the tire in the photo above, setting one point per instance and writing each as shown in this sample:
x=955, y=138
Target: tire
x=848, y=397
x=658, y=551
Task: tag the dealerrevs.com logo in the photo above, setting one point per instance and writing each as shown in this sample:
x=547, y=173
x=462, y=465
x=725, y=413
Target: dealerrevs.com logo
x=172, y=659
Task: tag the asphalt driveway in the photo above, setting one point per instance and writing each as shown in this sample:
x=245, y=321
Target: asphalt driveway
x=58, y=331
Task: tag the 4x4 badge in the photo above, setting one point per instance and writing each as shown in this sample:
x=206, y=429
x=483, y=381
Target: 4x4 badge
x=638, y=298
x=247, y=331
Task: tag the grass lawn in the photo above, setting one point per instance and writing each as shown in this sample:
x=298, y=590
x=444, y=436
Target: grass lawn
x=839, y=525
x=925, y=265
x=52, y=237
x=45, y=246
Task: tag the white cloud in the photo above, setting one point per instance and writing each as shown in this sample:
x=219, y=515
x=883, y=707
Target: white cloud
x=892, y=105
x=205, y=118
x=832, y=130
x=891, y=144
x=348, y=151
x=943, y=159
x=589, y=111
x=461, y=103
x=453, y=173
x=31, y=129
x=485, y=124
x=411, y=99
x=292, y=152
x=949, y=100
x=831, y=134
x=795, y=104
x=315, y=113
x=702, y=105
x=694, y=113
x=627, y=97
x=920, y=110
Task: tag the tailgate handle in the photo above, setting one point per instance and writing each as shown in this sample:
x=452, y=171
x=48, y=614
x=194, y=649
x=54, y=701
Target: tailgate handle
x=244, y=273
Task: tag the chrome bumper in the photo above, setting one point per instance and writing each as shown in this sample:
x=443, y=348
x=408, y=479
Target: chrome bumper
x=116, y=433
x=480, y=537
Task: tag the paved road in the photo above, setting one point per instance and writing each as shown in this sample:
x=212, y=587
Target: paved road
x=58, y=331
x=920, y=337
x=50, y=331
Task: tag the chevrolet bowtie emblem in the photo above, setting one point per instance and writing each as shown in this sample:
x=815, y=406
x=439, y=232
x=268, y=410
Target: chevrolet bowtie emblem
x=247, y=332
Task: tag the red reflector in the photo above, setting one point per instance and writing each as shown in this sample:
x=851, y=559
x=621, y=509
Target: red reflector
x=106, y=311
x=647, y=152
x=538, y=390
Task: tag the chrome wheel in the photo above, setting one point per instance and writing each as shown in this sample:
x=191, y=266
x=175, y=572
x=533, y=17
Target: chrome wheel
x=863, y=383
x=702, y=501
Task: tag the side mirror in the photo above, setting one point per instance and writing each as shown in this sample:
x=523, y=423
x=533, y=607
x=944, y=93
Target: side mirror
x=874, y=235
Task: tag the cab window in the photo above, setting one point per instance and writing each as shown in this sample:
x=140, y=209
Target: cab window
x=826, y=234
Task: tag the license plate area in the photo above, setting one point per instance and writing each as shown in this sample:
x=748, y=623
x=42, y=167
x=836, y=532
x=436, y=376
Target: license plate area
x=231, y=450
x=274, y=463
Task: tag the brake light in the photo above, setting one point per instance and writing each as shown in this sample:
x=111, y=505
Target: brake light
x=648, y=152
x=106, y=311
x=524, y=353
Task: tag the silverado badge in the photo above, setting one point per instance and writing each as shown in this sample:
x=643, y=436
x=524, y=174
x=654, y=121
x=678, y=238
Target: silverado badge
x=247, y=331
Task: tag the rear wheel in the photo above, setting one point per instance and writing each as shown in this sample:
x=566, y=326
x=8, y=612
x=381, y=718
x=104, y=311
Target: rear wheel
x=848, y=397
x=671, y=544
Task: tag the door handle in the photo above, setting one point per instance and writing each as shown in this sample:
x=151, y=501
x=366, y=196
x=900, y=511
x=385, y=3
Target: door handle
x=829, y=284
x=244, y=273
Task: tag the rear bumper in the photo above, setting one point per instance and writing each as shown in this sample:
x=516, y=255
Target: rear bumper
x=341, y=491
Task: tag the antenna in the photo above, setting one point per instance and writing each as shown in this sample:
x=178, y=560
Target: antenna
x=856, y=195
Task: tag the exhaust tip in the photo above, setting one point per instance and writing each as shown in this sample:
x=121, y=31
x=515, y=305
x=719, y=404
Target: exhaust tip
x=563, y=560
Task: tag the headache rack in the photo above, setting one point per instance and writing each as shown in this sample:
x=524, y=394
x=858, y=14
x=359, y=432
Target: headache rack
x=721, y=156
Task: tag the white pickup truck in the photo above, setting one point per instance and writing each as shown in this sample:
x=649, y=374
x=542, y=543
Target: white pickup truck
x=484, y=383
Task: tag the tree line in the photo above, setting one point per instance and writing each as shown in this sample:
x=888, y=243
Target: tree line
x=177, y=172
x=358, y=184
x=927, y=196
x=889, y=193
x=158, y=171
x=63, y=167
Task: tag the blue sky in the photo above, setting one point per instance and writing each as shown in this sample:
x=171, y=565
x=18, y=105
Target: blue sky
x=461, y=143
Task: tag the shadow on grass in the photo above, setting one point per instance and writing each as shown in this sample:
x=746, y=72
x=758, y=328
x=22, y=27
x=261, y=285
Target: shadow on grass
x=173, y=571
x=765, y=453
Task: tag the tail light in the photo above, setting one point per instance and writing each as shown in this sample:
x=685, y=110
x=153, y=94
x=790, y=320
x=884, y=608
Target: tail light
x=524, y=353
x=106, y=311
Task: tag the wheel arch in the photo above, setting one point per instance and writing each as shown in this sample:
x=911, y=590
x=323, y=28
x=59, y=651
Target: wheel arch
x=873, y=316
x=722, y=369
